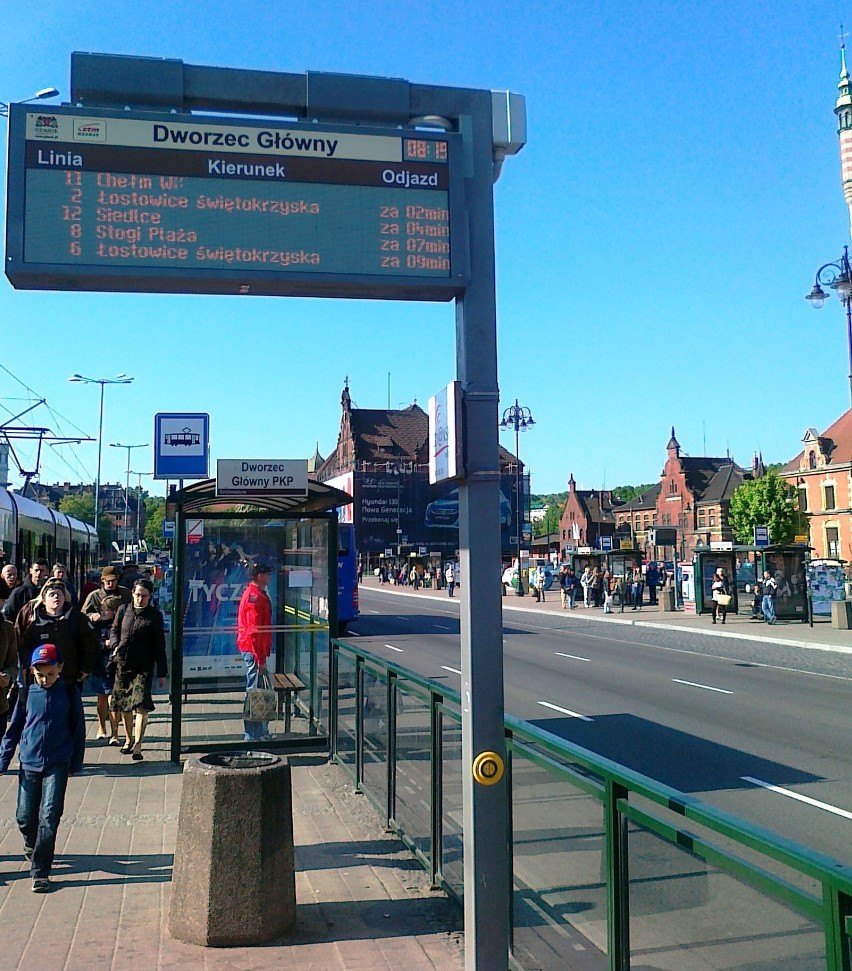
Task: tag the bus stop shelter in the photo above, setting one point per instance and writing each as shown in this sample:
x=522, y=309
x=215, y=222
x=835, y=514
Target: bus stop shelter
x=216, y=542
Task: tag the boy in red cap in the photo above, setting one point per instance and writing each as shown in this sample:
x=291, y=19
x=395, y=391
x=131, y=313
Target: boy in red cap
x=49, y=725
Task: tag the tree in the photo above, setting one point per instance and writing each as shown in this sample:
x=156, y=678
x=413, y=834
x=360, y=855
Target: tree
x=549, y=523
x=628, y=492
x=82, y=506
x=155, y=514
x=768, y=501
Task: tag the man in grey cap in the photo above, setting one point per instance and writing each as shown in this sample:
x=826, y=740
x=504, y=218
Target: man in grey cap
x=109, y=588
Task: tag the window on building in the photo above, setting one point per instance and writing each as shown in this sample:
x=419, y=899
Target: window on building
x=811, y=459
x=832, y=541
x=673, y=488
x=646, y=520
x=803, y=498
x=828, y=497
x=702, y=518
x=712, y=518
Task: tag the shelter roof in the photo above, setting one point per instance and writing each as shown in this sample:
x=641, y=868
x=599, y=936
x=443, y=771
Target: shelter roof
x=200, y=497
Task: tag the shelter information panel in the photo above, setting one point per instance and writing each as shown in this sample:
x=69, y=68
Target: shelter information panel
x=131, y=201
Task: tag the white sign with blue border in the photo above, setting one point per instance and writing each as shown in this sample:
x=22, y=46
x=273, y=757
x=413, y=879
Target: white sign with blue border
x=761, y=536
x=181, y=446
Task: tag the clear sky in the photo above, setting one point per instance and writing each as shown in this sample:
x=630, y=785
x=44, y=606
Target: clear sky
x=655, y=238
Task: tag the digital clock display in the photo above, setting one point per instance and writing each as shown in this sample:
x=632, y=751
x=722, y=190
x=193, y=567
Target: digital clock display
x=129, y=201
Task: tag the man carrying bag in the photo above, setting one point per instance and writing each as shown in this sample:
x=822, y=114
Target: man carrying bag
x=254, y=639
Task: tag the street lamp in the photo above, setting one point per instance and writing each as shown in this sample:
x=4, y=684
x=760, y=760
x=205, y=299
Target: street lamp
x=396, y=469
x=121, y=378
x=520, y=419
x=126, y=485
x=836, y=276
x=38, y=96
x=138, y=504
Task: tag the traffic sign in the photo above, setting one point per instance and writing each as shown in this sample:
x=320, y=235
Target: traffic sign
x=194, y=531
x=761, y=536
x=168, y=527
x=181, y=446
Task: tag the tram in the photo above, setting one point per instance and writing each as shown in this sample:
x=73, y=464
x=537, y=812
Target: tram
x=31, y=531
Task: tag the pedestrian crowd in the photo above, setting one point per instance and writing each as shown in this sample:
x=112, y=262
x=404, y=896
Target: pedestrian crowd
x=50, y=647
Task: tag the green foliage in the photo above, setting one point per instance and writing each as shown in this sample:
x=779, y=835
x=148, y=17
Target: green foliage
x=550, y=523
x=155, y=514
x=628, y=492
x=769, y=501
x=82, y=506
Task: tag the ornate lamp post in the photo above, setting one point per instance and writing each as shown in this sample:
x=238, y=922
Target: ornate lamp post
x=520, y=419
x=838, y=277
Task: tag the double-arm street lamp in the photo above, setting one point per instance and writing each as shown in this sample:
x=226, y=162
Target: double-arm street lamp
x=838, y=277
x=82, y=379
x=520, y=419
x=127, y=485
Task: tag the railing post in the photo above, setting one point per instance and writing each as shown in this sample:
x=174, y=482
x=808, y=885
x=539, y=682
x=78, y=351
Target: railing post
x=617, y=879
x=390, y=721
x=510, y=841
x=359, y=722
x=436, y=750
x=333, y=691
x=838, y=929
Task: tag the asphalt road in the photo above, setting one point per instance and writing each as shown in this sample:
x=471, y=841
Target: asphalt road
x=718, y=718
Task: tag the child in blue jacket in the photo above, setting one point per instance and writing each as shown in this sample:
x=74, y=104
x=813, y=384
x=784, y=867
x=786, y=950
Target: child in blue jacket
x=48, y=722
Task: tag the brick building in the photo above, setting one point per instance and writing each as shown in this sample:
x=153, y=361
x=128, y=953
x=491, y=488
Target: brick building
x=382, y=461
x=694, y=495
x=588, y=515
x=821, y=474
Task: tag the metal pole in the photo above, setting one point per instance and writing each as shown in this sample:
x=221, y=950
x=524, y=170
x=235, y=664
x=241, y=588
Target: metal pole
x=126, y=498
x=100, y=447
x=848, y=303
x=520, y=499
x=487, y=876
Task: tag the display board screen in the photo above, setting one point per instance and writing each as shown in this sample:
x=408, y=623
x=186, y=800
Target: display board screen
x=106, y=200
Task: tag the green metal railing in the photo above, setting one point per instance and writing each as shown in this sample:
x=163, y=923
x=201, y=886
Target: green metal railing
x=611, y=869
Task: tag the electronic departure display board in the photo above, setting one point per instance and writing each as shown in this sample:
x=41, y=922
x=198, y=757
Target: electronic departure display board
x=153, y=202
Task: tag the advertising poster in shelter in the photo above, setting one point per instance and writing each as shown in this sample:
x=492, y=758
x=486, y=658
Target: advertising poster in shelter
x=216, y=572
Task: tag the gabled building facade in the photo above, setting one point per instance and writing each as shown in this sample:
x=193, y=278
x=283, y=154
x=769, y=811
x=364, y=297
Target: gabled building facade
x=589, y=514
x=382, y=460
x=821, y=474
x=693, y=495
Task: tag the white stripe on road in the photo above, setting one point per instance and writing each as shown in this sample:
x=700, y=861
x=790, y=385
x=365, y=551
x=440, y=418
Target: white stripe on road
x=441, y=627
x=454, y=670
x=565, y=711
x=797, y=795
x=574, y=657
x=392, y=648
x=706, y=687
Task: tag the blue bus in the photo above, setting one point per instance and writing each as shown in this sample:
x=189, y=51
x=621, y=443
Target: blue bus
x=347, y=577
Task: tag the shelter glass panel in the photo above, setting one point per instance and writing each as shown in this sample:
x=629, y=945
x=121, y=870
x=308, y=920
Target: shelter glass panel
x=681, y=904
x=452, y=816
x=413, y=783
x=230, y=622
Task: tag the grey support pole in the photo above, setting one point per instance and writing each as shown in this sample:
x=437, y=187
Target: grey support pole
x=486, y=856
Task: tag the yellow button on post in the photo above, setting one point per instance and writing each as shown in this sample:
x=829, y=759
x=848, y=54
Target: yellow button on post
x=488, y=768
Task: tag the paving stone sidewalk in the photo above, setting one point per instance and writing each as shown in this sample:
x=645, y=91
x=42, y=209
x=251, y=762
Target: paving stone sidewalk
x=363, y=901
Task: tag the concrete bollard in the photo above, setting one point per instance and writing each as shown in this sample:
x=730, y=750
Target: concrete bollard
x=234, y=880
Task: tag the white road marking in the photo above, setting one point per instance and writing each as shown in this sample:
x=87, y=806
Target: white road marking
x=706, y=687
x=454, y=670
x=798, y=796
x=574, y=657
x=565, y=711
x=441, y=627
x=392, y=648
x=372, y=611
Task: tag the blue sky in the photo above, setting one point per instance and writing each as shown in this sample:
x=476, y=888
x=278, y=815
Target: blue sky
x=655, y=238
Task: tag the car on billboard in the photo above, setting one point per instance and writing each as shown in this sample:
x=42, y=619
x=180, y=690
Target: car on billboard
x=444, y=512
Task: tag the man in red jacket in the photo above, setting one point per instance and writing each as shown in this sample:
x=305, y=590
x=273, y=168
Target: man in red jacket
x=254, y=637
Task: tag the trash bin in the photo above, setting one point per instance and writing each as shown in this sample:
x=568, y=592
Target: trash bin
x=841, y=614
x=234, y=879
x=667, y=599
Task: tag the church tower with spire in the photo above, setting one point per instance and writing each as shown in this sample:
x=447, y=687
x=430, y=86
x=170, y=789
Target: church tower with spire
x=843, y=110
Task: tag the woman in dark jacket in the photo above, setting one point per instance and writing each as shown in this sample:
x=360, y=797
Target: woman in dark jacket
x=138, y=643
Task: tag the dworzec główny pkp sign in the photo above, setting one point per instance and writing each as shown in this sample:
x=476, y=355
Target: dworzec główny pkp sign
x=262, y=477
